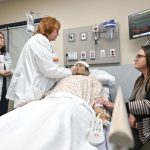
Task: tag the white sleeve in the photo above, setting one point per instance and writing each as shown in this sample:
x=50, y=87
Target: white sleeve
x=44, y=60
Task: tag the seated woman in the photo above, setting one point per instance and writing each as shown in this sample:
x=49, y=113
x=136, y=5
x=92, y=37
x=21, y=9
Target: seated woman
x=59, y=121
x=138, y=106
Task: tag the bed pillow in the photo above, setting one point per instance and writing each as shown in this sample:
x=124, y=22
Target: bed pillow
x=104, y=77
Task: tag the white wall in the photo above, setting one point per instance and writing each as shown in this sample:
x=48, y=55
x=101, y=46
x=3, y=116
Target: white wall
x=78, y=13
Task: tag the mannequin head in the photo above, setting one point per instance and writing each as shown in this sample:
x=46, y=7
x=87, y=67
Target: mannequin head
x=83, y=68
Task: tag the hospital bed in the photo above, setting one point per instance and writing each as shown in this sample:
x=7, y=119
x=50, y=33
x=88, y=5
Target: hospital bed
x=58, y=122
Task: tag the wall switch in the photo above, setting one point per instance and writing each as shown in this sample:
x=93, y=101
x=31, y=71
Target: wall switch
x=112, y=53
x=71, y=37
x=102, y=53
x=72, y=55
x=83, y=36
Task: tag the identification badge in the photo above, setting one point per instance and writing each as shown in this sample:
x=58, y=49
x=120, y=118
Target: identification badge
x=1, y=58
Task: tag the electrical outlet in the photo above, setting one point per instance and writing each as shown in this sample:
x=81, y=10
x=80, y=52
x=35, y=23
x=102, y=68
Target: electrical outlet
x=92, y=54
x=112, y=53
x=83, y=55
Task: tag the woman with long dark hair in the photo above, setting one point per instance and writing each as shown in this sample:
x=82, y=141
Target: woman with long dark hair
x=138, y=107
x=5, y=74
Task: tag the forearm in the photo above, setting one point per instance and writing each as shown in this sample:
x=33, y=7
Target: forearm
x=98, y=108
x=101, y=112
x=106, y=103
x=140, y=109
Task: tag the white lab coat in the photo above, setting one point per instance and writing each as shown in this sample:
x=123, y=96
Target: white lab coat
x=35, y=72
x=5, y=60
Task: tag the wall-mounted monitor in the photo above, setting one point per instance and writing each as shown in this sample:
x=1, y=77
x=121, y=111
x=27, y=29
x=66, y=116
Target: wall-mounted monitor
x=139, y=24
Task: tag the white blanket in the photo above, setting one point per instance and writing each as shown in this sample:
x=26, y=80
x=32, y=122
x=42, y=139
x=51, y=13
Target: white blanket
x=58, y=122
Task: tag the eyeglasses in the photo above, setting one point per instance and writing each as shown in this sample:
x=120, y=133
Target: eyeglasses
x=138, y=56
x=1, y=37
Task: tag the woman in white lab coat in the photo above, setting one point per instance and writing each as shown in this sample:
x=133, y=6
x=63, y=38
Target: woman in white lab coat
x=37, y=69
x=5, y=74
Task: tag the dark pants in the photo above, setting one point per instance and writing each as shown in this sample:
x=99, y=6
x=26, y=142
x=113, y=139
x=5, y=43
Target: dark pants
x=146, y=146
x=3, y=101
x=137, y=142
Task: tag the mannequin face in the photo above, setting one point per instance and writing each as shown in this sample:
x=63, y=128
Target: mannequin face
x=82, y=70
x=2, y=40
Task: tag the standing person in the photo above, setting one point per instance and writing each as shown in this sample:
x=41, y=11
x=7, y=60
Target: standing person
x=138, y=106
x=5, y=74
x=37, y=69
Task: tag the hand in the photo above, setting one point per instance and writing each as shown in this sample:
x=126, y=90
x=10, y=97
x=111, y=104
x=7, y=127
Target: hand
x=74, y=69
x=105, y=102
x=132, y=121
x=98, y=109
x=5, y=73
x=8, y=73
x=104, y=116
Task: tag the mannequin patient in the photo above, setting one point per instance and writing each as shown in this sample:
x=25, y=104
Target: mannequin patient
x=84, y=86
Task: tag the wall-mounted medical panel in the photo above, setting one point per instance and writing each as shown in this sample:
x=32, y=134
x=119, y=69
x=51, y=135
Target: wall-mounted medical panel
x=92, y=44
